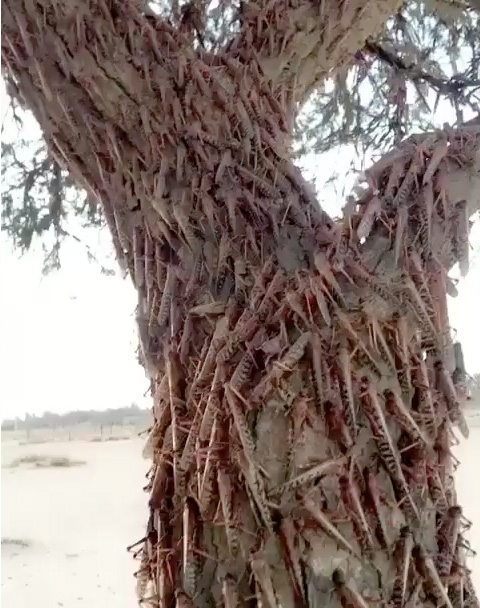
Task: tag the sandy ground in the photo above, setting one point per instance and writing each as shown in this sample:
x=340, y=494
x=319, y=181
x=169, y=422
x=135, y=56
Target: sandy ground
x=468, y=491
x=77, y=522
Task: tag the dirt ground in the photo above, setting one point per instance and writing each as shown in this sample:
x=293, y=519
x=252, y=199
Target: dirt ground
x=65, y=529
x=468, y=490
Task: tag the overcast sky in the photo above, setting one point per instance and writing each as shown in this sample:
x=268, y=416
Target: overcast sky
x=68, y=340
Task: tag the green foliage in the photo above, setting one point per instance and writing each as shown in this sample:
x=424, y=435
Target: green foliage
x=424, y=64
x=427, y=59
x=39, y=199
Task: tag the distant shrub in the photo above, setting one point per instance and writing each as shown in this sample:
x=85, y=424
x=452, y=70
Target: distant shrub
x=112, y=438
x=33, y=442
x=44, y=462
x=121, y=416
x=16, y=542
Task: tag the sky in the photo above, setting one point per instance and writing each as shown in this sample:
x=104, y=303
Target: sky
x=68, y=340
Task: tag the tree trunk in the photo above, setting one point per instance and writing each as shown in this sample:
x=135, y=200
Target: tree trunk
x=301, y=370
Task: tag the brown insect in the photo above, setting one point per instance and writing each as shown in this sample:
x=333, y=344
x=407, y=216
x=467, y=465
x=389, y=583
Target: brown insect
x=323, y=266
x=436, y=488
x=226, y=493
x=370, y=214
x=190, y=531
x=470, y=593
x=375, y=501
x=446, y=460
x=399, y=411
x=213, y=406
x=263, y=578
x=287, y=538
x=188, y=453
x=456, y=592
x=206, y=481
x=347, y=390
x=351, y=500
x=405, y=375
x=400, y=233
x=377, y=335
x=406, y=186
x=139, y=259
x=241, y=425
x=313, y=473
x=177, y=407
x=385, y=445
x=439, y=152
x=459, y=376
x=316, y=287
x=336, y=426
x=403, y=558
x=324, y=522
x=426, y=407
x=151, y=534
x=445, y=385
x=461, y=228
x=427, y=570
x=149, y=261
x=218, y=340
x=230, y=592
x=167, y=297
x=418, y=304
x=282, y=366
x=447, y=540
x=242, y=371
x=319, y=370
x=182, y=600
x=345, y=323
x=349, y=597
x=428, y=204
x=413, y=600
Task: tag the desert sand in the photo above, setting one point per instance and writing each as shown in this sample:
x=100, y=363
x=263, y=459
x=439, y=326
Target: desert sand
x=65, y=529
x=76, y=523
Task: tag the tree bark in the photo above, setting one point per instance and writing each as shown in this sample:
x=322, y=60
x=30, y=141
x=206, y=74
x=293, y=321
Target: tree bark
x=304, y=381
x=298, y=44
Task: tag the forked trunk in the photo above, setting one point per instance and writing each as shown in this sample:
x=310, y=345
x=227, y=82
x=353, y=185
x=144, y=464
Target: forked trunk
x=304, y=381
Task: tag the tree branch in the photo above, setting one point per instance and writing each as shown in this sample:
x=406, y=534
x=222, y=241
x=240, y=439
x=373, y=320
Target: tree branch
x=228, y=250
x=450, y=86
x=475, y=5
x=298, y=44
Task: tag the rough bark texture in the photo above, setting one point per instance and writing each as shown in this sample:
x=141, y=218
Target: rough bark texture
x=304, y=380
x=298, y=43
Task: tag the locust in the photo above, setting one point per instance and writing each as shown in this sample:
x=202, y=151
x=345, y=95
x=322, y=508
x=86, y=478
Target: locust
x=374, y=495
x=351, y=499
x=397, y=408
x=427, y=570
x=349, y=596
x=230, y=592
x=447, y=540
x=403, y=558
x=287, y=538
x=324, y=522
x=385, y=444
